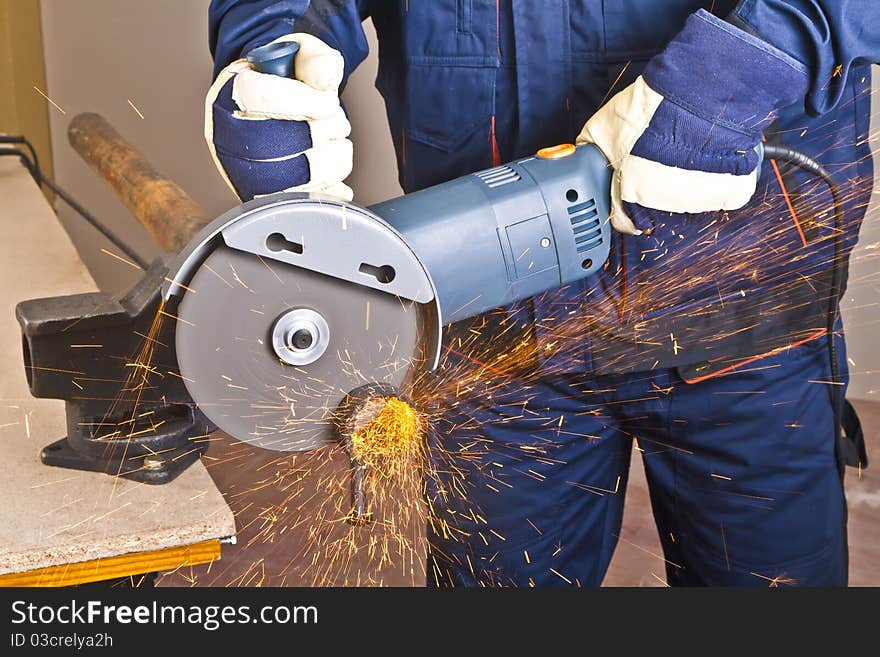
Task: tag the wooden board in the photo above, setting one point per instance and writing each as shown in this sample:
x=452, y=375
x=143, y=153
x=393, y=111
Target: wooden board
x=54, y=516
x=124, y=565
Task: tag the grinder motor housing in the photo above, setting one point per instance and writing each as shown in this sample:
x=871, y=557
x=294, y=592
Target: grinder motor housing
x=505, y=234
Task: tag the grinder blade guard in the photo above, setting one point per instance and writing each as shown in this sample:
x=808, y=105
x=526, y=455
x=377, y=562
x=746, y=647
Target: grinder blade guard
x=288, y=309
x=287, y=304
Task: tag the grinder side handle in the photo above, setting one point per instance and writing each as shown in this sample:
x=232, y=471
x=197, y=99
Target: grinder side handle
x=275, y=58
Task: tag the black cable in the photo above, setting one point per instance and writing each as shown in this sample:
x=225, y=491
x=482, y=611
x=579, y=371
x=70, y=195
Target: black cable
x=25, y=161
x=805, y=162
x=19, y=139
x=31, y=163
x=97, y=225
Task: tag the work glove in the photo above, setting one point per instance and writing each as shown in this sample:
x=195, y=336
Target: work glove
x=683, y=137
x=271, y=134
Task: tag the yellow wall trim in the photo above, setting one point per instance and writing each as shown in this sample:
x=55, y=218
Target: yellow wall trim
x=23, y=111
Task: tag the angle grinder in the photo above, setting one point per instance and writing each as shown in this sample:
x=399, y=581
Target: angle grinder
x=292, y=311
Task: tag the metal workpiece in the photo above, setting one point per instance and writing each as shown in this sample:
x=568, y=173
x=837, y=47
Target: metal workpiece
x=168, y=213
x=359, y=408
x=113, y=363
x=358, y=514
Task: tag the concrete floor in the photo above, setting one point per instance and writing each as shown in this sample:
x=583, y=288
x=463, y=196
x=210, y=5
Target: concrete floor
x=267, y=556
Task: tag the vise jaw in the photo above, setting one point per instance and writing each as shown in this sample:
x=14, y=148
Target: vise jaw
x=113, y=362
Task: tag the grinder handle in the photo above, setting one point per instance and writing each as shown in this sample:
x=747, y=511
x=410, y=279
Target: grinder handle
x=275, y=58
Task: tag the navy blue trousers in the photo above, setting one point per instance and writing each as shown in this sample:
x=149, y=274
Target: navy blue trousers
x=742, y=473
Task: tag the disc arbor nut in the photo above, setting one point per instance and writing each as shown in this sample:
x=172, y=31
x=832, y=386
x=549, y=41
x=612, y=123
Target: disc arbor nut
x=302, y=339
x=300, y=336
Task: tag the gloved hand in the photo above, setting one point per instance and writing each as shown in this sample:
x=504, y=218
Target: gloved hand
x=682, y=137
x=270, y=134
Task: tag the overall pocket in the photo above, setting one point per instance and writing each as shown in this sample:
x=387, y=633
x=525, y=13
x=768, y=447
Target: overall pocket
x=636, y=26
x=447, y=129
x=450, y=30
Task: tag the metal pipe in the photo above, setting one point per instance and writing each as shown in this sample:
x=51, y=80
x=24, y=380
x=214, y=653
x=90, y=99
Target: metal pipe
x=160, y=205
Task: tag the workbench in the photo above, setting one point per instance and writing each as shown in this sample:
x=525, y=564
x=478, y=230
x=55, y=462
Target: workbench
x=61, y=526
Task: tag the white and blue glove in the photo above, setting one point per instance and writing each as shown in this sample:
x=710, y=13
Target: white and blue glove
x=271, y=134
x=682, y=138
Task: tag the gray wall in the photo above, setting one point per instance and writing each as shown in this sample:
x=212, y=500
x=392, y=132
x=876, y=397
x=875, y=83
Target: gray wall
x=101, y=53
x=861, y=305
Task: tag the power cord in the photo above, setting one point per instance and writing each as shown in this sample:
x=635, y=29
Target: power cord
x=810, y=165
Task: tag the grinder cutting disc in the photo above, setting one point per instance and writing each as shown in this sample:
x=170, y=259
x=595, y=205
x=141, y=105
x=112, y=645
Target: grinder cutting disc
x=269, y=350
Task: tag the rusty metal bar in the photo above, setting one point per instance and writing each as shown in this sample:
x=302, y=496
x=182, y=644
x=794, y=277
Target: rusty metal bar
x=164, y=209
